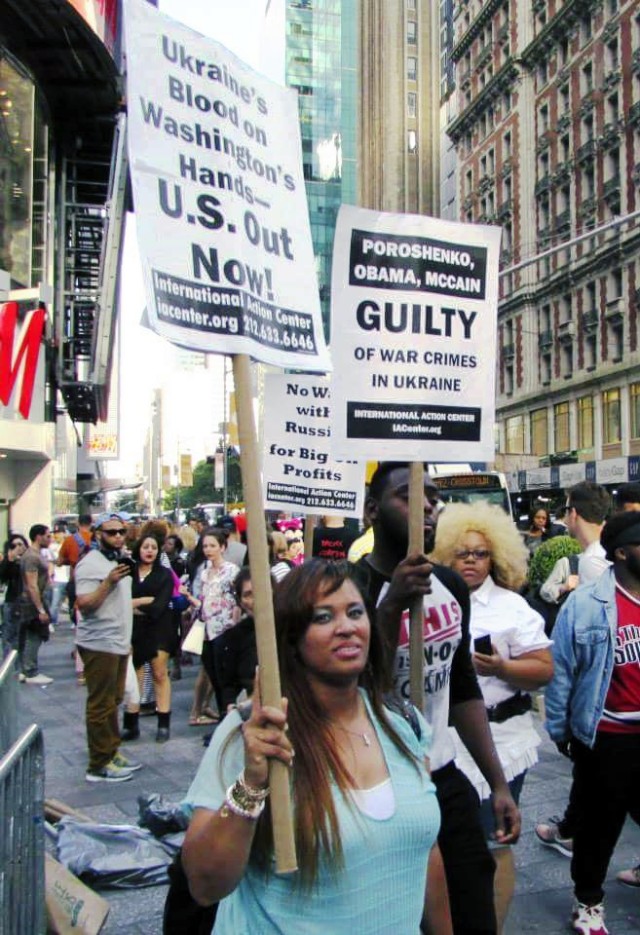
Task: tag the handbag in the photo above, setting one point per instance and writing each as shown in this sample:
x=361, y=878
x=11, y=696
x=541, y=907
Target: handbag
x=194, y=639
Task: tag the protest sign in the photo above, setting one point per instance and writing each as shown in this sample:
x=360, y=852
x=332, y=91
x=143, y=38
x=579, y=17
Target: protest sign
x=219, y=195
x=413, y=319
x=298, y=470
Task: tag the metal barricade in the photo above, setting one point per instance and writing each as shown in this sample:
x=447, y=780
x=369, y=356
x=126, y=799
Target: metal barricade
x=22, y=904
x=8, y=701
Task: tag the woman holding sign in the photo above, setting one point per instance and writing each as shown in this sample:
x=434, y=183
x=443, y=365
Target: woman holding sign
x=365, y=811
x=511, y=656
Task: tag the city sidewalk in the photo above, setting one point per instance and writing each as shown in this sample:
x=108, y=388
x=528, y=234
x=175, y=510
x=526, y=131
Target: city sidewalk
x=543, y=891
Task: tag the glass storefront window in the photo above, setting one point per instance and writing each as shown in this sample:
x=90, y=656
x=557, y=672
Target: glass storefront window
x=24, y=175
x=611, y=431
x=539, y=437
x=561, y=427
x=585, y=422
x=634, y=403
x=515, y=435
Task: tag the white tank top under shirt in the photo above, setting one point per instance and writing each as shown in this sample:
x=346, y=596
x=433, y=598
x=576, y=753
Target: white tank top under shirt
x=378, y=802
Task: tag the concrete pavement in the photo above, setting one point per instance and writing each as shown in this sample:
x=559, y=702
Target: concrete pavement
x=543, y=891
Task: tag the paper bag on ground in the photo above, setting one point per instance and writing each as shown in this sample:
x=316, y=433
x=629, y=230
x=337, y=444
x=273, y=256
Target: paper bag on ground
x=71, y=906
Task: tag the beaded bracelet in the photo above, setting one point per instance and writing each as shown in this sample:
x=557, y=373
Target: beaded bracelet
x=237, y=801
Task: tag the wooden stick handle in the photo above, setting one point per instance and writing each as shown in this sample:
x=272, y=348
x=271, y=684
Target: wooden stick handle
x=416, y=544
x=281, y=810
x=309, y=526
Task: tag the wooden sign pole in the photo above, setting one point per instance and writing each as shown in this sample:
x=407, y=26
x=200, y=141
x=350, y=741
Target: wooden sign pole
x=416, y=544
x=281, y=811
x=309, y=526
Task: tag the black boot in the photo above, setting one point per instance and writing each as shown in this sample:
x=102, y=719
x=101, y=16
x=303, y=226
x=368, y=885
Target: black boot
x=163, y=733
x=130, y=728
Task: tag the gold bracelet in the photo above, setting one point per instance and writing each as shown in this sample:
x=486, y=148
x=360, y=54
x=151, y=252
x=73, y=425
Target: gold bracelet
x=252, y=792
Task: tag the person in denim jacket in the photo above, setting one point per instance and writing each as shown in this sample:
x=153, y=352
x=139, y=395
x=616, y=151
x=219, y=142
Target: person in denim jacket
x=593, y=712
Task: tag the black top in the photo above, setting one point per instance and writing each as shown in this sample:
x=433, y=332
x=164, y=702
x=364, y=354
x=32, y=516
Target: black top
x=238, y=659
x=155, y=622
x=10, y=575
x=464, y=683
x=332, y=542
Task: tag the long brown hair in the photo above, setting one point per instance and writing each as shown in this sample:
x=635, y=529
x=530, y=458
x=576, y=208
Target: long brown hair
x=317, y=762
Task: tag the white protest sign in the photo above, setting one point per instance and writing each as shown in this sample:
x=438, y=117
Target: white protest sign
x=219, y=196
x=299, y=472
x=413, y=324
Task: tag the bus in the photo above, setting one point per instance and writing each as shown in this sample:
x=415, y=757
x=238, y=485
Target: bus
x=472, y=486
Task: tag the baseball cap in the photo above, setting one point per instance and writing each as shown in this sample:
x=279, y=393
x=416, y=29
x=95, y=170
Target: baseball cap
x=105, y=517
x=227, y=522
x=621, y=529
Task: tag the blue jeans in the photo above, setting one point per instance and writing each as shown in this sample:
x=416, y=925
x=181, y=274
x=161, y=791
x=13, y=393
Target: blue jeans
x=58, y=591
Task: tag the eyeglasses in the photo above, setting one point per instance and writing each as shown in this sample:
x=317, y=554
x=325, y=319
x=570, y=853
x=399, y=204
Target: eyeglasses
x=294, y=539
x=478, y=554
x=114, y=532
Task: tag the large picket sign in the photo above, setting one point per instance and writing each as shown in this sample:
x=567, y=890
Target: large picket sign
x=413, y=319
x=219, y=196
x=298, y=470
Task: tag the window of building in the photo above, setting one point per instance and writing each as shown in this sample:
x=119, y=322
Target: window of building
x=611, y=59
x=588, y=182
x=561, y=440
x=543, y=119
x=585, y=29
x=506, y=102
x=586, y=79
x=614, y=284
x=468, y=182
x=545, y=369
x=564, y=99
x=563, y=51
x=612, y=7
x=411, y=4
x=412, y=67
x=544, y=321
x=412, y=32
x=590, y=297
x=634, y=407
x=590, y=352
x=412, y=98
x=585, y=422
x=611, y=428
x=539, y=436
x=566, y=359
x=514, y=435
x=412, y=141
x=613, y=108
x=615, y=339
x=542, y=73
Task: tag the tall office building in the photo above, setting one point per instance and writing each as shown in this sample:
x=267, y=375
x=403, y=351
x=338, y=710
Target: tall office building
x=367, y=77
x=548, y=141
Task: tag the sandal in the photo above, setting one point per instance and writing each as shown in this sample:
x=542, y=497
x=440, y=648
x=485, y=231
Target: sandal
x=201, y=721
x=209, y=712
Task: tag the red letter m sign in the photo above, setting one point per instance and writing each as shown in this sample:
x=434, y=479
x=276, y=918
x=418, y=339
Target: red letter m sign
x=26, y=354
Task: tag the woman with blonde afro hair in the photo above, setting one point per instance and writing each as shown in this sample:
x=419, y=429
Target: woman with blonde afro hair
x=509, y=554
x=511, y=657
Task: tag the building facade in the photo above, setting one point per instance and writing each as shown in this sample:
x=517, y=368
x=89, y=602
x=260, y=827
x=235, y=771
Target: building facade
x=547, y=135
x=59, y=101
x=367, y=78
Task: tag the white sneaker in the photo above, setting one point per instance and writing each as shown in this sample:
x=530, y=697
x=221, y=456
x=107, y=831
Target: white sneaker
x=588, y=920
x=22, y=677
x=39, y=679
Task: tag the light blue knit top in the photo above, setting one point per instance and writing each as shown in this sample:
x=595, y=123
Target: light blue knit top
x=380, y=890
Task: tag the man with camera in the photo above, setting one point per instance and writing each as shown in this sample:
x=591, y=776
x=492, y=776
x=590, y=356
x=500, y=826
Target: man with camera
x=103, y=587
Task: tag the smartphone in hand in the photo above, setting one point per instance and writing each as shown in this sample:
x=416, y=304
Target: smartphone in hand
x=482, y=644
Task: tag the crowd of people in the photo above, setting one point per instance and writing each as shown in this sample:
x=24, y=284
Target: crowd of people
x=404, y=820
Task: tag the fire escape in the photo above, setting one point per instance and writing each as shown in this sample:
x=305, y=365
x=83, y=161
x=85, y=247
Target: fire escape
x=91, y=211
